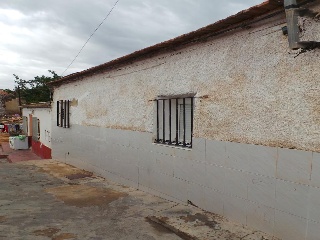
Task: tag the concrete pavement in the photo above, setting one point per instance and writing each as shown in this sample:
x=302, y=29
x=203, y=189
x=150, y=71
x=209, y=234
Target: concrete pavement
x=47, y=199
x=17, y=155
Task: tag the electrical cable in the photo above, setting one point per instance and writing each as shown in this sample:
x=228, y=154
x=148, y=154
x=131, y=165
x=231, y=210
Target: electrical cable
x=115, y=4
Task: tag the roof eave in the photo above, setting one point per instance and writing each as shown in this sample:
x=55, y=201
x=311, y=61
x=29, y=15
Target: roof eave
x=214, y=29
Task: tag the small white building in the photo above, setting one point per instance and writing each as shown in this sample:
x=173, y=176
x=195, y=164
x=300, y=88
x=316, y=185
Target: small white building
x=226, y=117
x=37, y=126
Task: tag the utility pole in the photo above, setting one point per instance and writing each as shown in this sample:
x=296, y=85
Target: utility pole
x=19, y=96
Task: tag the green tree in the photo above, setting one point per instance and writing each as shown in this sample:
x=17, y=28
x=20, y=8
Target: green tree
x=35, y=90
x=10, y=92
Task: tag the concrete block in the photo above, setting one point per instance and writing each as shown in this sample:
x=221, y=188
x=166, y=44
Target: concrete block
x=127, y=171
x=199, y=149
x=170, y=198
x=127, y=182
x=236, y=183
x=143, y=188
x=116, y=151
x=215, y=177
x=237, y=156
x=145, y=159
x=190, y=171
x=144, y=177
x=313, y=230
x=196, y=153
x=213, y=201
x=161, y=183
x=180, y=189
x=262, y=160
x=130, y=156
x=294, y=165
x=93, y=131
x=251, y=158
x=314, y=204
x=196, y=194
x=163, y=163
x=315, y=174
x=216, y=152
x=287, y=226
x=292, y=198
x=141, y=140
x=183, y=152
x=164, y=149
x=147, y=140
x=260, y=217
x=262, y=190
x=198, y=175
x=109, y=164
x=165, y=184
x=235, y=208
x=183, y=168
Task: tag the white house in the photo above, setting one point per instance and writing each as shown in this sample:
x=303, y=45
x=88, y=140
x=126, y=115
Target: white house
x=37, y=126
x=226, y=117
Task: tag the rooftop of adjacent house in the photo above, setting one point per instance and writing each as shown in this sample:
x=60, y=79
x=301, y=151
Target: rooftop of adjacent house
x=37, y=105
x=3, y=93
x=240, y=20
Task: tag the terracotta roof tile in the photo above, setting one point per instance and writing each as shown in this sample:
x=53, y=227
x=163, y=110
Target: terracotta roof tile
x=3, y=93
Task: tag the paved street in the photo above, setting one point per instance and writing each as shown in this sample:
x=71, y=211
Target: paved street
x=51, y=200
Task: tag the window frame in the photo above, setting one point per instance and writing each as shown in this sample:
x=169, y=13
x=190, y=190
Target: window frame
x=63, y=113
x=35, y=130
x=168, y=119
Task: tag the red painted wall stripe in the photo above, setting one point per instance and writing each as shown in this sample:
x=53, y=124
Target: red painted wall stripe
x=41, y=150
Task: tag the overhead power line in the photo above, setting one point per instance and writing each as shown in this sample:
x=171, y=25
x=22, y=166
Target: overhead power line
x=114, y=5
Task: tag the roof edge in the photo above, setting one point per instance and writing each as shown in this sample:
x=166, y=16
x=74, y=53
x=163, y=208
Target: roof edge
x=222, y=26
x=37, y=105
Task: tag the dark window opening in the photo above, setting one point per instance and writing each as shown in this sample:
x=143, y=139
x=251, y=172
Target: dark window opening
x=38, y=130
x=63, y=113
x=175, y=121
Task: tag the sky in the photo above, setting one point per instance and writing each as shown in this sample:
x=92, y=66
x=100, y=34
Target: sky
x=41, y=35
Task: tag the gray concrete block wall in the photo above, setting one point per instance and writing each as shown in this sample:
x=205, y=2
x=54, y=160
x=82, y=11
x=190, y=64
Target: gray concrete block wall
x=275, y=190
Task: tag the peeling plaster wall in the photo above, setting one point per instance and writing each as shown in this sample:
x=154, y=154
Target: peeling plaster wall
x=258, y=91
x=255, y=91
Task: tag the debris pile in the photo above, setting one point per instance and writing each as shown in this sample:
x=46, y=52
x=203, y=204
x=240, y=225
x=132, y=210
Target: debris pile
x=11, y=124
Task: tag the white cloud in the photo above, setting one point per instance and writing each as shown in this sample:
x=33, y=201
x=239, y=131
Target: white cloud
x=11, y=15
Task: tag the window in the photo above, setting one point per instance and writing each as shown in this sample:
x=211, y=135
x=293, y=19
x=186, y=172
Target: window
x=63, y=112
x=174, y=121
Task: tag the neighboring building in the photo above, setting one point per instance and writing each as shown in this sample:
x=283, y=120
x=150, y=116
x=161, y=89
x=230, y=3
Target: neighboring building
x=12, y=106
x=8, y=104
x=37, y=126
x=3, y=97
x=226, y=117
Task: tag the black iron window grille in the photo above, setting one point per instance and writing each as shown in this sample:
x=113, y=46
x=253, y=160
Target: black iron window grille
x=175, y=121
x=63, y=113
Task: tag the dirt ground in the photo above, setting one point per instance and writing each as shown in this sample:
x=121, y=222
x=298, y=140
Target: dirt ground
x=4, y=137
x=47, y=199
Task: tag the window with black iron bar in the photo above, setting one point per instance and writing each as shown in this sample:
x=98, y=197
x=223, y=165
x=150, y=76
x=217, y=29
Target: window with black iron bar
x=175, y=121
x=63, y=113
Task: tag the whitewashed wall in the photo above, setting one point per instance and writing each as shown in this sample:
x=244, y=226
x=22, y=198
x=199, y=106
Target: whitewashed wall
x=256, y=134
x=44, y=115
